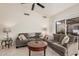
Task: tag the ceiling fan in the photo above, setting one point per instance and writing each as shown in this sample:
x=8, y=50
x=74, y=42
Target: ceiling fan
x=33, y=5
x=40, y=5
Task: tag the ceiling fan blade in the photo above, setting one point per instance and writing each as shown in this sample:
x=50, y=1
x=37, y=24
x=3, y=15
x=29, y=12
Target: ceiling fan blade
x=33, y=5
x=40, y=5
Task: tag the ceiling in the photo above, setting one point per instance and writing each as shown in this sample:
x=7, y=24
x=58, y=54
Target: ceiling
x=13, y=13
x=49, y=10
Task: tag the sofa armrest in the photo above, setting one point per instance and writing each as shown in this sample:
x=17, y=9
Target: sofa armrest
x=59, y=47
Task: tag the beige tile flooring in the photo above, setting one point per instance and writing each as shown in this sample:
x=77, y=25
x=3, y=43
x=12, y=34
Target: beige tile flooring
x=24, y=52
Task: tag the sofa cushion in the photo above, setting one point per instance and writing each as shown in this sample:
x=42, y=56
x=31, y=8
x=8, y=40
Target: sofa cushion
x=56, y=37
x=61, y=38
x=52, y=41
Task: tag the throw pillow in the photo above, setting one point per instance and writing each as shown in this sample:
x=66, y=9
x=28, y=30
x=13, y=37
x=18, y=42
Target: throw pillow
x=50, y=37
x=42, y=35
x=31, y=34
x=65, y=40
x=22, y=37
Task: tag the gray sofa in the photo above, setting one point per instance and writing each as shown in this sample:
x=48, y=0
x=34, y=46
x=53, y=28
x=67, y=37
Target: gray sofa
x=68, y=49
x=21, y=43
x=28, y=37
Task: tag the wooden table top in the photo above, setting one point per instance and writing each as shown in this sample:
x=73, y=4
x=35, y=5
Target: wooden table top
x=37, y=44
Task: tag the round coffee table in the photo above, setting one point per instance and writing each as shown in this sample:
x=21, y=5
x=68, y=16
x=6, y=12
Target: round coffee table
x=37, y=46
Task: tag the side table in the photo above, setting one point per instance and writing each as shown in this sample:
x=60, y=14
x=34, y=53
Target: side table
x=6, y=43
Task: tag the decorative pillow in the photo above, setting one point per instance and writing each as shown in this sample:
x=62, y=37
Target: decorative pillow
x=31, y=34
x=42, y=35
x=50, y=37
x=22, y=37
x=65, y=40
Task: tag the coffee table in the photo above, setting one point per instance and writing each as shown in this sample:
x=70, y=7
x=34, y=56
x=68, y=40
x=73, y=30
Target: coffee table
x=37, y=46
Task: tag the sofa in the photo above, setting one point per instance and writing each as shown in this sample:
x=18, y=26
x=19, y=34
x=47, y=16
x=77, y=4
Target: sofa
x=68, y=49
x=23, y=38
x=21, y=42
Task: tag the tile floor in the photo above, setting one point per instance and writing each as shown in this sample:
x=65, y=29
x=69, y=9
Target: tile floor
x=24, y=52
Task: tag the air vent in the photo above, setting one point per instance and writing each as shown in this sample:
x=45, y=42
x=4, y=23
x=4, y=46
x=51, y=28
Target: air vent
x=26, y=14
x=44, y=16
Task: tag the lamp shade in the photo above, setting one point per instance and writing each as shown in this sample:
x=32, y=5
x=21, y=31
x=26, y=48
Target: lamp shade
x=6, y=30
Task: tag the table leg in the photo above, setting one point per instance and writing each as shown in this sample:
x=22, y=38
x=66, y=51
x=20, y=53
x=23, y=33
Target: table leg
x=29, y=52
x=8, y=45
x=44, y=52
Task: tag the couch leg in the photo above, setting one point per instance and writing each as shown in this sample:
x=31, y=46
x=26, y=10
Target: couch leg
x=76, y=54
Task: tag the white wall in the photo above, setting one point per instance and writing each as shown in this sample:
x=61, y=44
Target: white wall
x=12, y=15
x=69, y=13
x=32, y=23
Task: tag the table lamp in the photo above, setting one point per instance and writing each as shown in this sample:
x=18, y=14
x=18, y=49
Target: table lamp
x=7, y=31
